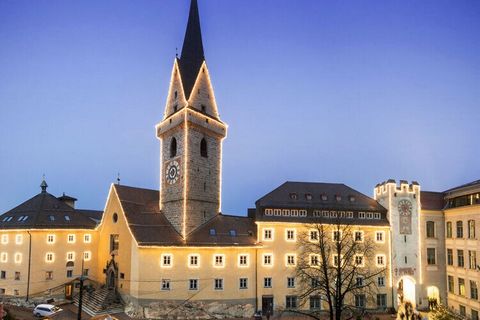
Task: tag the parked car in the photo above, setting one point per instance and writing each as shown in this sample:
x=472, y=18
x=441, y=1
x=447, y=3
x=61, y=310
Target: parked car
x=45, y=310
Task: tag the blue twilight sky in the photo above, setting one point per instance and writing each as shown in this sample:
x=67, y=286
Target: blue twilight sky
x=333, y=91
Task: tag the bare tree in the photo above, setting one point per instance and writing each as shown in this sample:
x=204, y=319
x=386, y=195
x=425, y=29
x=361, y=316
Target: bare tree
x=337, y=264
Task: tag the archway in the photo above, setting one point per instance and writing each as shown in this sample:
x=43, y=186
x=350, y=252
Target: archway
x=406, y=290
x=433, y=297
x=111, y=279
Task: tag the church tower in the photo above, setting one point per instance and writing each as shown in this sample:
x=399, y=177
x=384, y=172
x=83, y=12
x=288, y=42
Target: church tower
x=191, y=135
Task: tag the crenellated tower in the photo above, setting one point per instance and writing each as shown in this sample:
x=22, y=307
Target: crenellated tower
x=191, y=135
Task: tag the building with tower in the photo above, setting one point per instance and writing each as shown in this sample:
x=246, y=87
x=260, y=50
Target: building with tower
x=171, y=251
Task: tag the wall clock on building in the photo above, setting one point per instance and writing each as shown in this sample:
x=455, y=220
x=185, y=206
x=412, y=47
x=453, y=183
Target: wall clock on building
x=405, y=207
x=172, y=172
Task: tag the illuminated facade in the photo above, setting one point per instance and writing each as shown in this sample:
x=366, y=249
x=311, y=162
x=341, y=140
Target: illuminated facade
x=168, y=248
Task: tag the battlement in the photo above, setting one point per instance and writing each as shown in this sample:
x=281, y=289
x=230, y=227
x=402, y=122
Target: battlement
x=391, y=186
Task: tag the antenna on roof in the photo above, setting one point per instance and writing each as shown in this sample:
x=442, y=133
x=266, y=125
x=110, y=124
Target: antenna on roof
x=118, y=178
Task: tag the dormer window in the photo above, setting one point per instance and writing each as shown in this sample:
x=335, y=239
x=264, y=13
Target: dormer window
x=232, y=233
x=67, y=218
x=51, y=218
x=338, y=197
x=213, y=232
x=324, y=197
x=293, y=196
x=308, y=196
x=351, y=198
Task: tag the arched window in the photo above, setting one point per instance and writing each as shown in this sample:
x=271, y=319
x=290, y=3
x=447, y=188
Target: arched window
x=203, y=148
x=173, y=148
x=430, y=229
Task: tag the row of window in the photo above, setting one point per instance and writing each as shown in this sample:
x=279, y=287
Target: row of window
x=322, y=213
x=291, y=235
x=323, y=197
x=472, y=258
x=166, y=260
x=459, y=229
x=50, y=256
x=71, y=238
x=48, y=274
x=25, y=218
x=461, y=289
x=463, y=312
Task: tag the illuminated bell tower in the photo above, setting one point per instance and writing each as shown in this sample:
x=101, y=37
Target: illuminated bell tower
x=191, y=135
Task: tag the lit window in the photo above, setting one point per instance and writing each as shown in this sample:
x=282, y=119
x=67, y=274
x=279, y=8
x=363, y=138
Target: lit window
x=3, y=257
x=18, y=257
x=380, y=236
x=294, y=212
x=290, y=260
x=165, y=284
x=71, y=238
x=19, y=239
x=449, y=229
x=290, y=234
x=268, y=234
x=193, y=260
x=380, y=260
x=4, y=238
x=219, y=260
x=286, y=212
x=243, y=260
x=70, y=256
x=51, y=238
x=267, y=259
x=218, y=284
x=87, y=255
x=243, y=283
x=87, y=238
x=50, y=257
x=268, y=212
x=166, y=260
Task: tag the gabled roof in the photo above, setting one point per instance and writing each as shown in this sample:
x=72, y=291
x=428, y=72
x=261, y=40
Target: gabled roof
x=463, y=189
x=151, y=228
x=192, y=51
x=45, y=211
x=432, y=200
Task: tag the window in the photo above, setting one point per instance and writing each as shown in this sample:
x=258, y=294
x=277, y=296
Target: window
x=450, y=257
x=459, y=229
x=381, y=281
x=336, y=260
x=313, y=235
x=203, y=148
x=267, y=259
x=85, y=273
x=293, y=196
x=268, y=212
x=267, y=282
x=290, y=260
x=218, y=284
x=17, y=275
x=49, y=275
x=243, y=283
x=381, y=300
x=462, y=310
x=290, y=235
x=473, y=290
x=315, y=303
x=204, y=108
x=18, y=257
x=3, y=257
x=232, y=233
x=430, y=229
x=379, y=236
x=193, y=284
x=69, y=273
x=173, y=147
x=314, y=260
x=165, y=284
x=315, y=282
x=431, y=256
x=472, y=259
x=291, y=302
x=359, y=282
x=67, y=218
x=461, y=286
x=358, y=236
x=51, y=238
x=87, y=255
x=213, y=232
x=474, y=314
x=360, y=300
x=450, y=284
x=308, y=196
x=337, y=235
x=359, y=260
x=51, y=218
x=70, y=256
x=380, y=260
x=290, y=282
x=243, y=260
x=71, y=238
x=166, y=260
x=19, y=239
x=471, y=229
x=3, y=274
x=219, y=260
x=87, y=238
x=449, y=229
x=194, y=260
x=361, y=215
x=460, y=260
x=267, y=234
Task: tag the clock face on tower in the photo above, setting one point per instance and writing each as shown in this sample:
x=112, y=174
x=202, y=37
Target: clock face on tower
x=405, y=207
x=172, y=172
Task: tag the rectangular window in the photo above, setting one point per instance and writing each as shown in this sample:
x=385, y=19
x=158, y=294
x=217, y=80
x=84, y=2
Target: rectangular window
x=474, y=314
x=431, y=259
x=243, y=260
x=359, y=260
x=381, y=300
x=290, y=235
x=85, y=272
x=87, y=238
x=114, y=242
x=18, y=257
x=49, y=257
x=49, y=275
x=267, y=282
x=460, y=260
x=290, y=282
x=314, y=260
x=87, y=255
x=218, y=284
x=166, y=260
x=165, y=284
x=459, y=229
x=473, y=290
x=193, y=284
x=290, y=260
x=51, y=238
x=472, y=259
x=267, y=234
x=450, y=284
x=381, y=281
x=19, y=239
x=380, y=260
x=471, y=229
x=71, y=238
x=461, y=286
x=462, y=310
x=315, y=303
x=3, y=274
x=291, y=302
x=430, y=229
x=360, y=300
x=450, y=257
x=4, y=238
x=219, y=260
x=243, y=283
x=268, y=260
x=359, y=282
x=313, y=235
x=70, y=256
x=193, y=260
x=337, y=235
x=379, y=236
x=449, y=230
x=17, y=275
x=359, y=236
x=69, y=273
x=336, y=260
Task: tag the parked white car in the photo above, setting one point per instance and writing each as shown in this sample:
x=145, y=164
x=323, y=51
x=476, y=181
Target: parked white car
x=44, y=310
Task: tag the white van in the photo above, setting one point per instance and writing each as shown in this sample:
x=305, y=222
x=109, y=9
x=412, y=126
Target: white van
x=44, y=310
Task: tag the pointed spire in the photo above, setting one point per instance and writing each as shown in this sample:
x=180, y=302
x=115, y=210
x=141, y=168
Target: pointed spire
x=44, y=185
x=192, y=51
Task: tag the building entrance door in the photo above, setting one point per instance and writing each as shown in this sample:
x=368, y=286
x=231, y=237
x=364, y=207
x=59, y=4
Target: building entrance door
x=69, y=291
x=267, y=305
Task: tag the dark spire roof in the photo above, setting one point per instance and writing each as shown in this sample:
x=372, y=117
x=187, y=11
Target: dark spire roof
x=44, y=185
x=192, y=51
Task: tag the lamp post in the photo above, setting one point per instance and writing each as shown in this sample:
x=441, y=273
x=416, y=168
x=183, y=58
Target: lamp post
x=80, y=294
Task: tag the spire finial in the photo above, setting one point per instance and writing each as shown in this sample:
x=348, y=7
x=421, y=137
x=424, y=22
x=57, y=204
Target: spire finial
x=118, y=178
x=44, y=184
